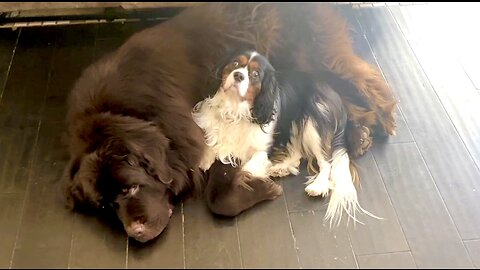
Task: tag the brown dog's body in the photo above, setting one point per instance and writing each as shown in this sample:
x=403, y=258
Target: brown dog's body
x=133, y=143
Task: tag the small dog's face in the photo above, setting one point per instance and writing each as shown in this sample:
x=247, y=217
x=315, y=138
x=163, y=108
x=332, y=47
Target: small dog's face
x=243, y=76
x=249, y=78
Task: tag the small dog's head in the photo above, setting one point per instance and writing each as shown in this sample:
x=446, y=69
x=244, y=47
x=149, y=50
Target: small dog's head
x=248, y=81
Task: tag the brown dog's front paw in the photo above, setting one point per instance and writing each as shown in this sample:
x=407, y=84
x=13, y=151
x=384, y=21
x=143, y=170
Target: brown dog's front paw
x=359, y=139
x=231, y=191
x=365, y=138
x=260, y=188
x=387, y=128
x=390, y=125
x=273, y=190
x=388, y=118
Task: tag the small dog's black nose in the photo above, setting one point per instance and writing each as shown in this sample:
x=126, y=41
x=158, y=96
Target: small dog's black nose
x=238, y=76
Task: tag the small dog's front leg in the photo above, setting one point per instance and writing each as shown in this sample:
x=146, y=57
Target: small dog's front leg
x=258, y=165
x=207, y=159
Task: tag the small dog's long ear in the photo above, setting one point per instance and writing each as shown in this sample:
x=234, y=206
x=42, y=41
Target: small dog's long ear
x=80, y=184
x=264, y=105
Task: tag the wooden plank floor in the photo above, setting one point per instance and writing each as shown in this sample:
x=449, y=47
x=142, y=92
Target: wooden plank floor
x=424, y=183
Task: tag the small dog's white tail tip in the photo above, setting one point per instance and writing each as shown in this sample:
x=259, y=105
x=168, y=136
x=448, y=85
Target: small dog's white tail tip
x=344, y=195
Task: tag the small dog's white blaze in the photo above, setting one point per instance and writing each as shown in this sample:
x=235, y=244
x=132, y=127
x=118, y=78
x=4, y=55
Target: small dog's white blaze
x=252, y=56
x=242, y=87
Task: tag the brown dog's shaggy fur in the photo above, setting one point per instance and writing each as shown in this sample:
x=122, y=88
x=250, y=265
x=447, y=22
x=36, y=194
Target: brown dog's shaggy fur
x=133, y=144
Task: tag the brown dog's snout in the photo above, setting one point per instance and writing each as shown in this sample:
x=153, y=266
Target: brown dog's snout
x=142, y=231
x=238, y=76
x=136, y=229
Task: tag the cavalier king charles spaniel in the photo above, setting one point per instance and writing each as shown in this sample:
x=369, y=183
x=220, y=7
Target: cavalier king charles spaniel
x=266, y=121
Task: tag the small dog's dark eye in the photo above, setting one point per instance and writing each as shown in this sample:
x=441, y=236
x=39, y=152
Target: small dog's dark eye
x=235, y=63
x=255, y=74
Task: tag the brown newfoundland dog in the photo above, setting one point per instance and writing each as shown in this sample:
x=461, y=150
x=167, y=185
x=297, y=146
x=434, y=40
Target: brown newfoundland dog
x=133, y=145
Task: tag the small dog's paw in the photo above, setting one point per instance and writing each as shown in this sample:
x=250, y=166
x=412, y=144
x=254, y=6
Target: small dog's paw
x=318, y=188
x=204, y=166
x=282, y=169
x=257, y=169
x=278, y=171
x=207, y=160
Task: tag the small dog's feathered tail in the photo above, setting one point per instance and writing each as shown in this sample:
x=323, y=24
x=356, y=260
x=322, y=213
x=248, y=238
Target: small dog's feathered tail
x=343, y=176
x=331, y=117
x=314, y=105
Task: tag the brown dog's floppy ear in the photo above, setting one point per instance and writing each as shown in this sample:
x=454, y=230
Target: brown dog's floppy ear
x=81, y=183
x=148, y=151
x=157, y=169
x=141, y=142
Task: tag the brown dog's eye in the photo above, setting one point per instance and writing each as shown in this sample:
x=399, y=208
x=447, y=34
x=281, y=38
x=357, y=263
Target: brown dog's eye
x=134, y=189
x=130, y=161
x=254, y=74
x=235, y=63
x=130, y=190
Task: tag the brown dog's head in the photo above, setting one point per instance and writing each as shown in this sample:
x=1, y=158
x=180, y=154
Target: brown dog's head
x=119, y=164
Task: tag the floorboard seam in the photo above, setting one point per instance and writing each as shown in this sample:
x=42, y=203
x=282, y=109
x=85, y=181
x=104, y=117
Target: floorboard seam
x=10, y=65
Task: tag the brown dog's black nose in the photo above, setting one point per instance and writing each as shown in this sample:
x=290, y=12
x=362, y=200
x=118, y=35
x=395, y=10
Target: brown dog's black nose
x=238, y=76
x=137, y=229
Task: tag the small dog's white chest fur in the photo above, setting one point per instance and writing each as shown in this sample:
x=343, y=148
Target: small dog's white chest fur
x=229, y=131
